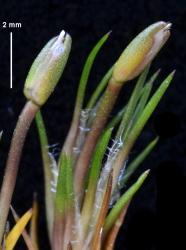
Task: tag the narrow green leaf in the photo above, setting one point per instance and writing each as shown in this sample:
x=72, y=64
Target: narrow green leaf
x=86, y=70
x=49, y=201
x=72, y=134
x=148, y=110
x=64, y=204
x=137, y=161
x=64, y=193
x=138, y=127
x=99, y=89
x=110, y=240
x=98, y=157
x=93, y=178
x=61, y=195
x=142, y=102
x=132, y=104
x=122, y=202
x=69, y=201
x=69, y=183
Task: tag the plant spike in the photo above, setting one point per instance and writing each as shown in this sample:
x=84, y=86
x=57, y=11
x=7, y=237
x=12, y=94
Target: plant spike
x=141, y=51
x=40, y=83
x=47, y=69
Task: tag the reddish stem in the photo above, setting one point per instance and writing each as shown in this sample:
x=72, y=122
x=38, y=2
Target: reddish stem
x=58, y=232
x=103, y=112
x=11, y=170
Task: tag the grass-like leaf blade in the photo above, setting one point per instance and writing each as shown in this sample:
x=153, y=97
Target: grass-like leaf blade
x=132, y=104
x=122, y=202
x=139, y=125
x=93, y=178
x=99, y=89
x=142, y=102
x=49, y=201
x=149, y=109
x=86, y=70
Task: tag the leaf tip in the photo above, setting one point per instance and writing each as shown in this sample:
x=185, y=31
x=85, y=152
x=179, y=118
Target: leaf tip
x=146, y=173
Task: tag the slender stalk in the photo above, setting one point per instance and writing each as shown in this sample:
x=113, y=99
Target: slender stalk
x=103, y=112
x=69, y=142
x=11, y=170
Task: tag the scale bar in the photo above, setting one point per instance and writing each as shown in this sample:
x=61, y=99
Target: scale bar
x=11, y=56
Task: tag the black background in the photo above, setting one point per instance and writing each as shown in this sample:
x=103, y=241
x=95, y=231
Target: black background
x=156, y=217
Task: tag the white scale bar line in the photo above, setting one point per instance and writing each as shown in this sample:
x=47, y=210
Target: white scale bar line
x=11, y=55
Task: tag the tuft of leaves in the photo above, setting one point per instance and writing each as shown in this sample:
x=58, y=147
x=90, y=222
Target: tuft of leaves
x=84, y=207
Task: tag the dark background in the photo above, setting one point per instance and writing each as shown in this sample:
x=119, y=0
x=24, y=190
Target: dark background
x=156, y=217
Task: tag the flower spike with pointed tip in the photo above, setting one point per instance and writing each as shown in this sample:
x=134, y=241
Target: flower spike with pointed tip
x=47, y=69
x=40, y=83
x=141, y=51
